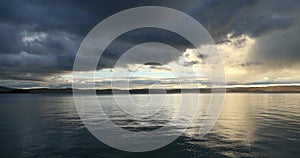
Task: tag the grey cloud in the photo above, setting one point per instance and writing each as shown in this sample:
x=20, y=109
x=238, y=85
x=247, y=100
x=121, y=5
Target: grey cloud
x=139, y=36
x=251, y=17
x=279, y=49
x=24, y=66
x=153, y=63
x=148, y=52
x=250, y=63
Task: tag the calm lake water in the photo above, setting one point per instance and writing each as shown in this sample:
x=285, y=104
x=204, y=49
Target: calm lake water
x=251, y=125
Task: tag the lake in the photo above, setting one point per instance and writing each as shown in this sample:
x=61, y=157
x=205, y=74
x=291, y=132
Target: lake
x=250, y=125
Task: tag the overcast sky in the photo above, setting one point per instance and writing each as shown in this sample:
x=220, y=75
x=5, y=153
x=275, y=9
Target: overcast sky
x=258, y=40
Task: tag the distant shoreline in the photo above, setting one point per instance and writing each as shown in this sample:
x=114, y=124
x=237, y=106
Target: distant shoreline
x=268, y=89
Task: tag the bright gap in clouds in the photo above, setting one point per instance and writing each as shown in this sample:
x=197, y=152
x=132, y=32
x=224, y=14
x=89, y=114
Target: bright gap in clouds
x=143, y=76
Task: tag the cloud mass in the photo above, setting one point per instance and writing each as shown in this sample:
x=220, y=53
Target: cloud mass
x=39, y=39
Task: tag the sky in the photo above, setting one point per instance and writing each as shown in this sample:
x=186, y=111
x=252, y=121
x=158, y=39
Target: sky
x=257, y=39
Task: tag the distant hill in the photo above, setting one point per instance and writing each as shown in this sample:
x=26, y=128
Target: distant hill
x=4, y=89
x=11, y=90
x=269, y=89
x=48, y=90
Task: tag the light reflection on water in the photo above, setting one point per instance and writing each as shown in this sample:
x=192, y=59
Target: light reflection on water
x=251, y=125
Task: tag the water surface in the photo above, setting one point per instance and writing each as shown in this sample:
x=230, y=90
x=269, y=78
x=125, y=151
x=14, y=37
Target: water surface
x=251, y=125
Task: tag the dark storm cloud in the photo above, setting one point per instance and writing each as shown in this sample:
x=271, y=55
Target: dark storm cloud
x=251, y=17
x=74, y=16
x=139, y=36
x=278, y=50
x=50, y=32
x=41, y=37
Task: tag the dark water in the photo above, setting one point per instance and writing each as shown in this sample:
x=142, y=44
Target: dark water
x=251, y=125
